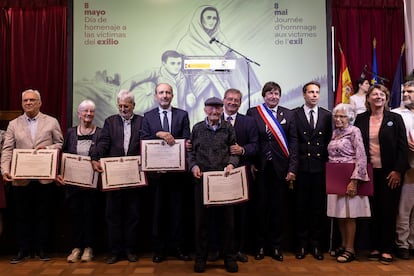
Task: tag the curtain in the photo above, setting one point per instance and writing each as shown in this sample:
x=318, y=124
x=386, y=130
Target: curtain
x=31, y=3
x=357, y=23
x=4, y=59
x=35, y=55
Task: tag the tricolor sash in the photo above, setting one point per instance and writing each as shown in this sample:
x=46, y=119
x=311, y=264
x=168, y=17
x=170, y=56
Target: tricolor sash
x=274, y=127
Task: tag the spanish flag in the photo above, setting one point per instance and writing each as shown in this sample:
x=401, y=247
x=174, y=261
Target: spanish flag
x=344, y=89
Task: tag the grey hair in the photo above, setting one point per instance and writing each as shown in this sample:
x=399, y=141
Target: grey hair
x=86, y=103
x=348, y=109
x=32, y=91
x=409, y=83
x=124, y=95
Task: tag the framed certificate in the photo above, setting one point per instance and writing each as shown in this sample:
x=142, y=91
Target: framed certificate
x=34, y=164
x=219, y=189
x=157, y=155
x=122, y=172
x=77, y=170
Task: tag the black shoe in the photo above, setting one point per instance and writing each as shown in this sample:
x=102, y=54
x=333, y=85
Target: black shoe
x=317, y=254
x=20, y=257
x=113, y=258
x=338, y=252
x=373, y=256
x=157, y=258
x=43, y=256
x=346, y=257
x=213, y=256
x=181, y=255
x=231, y=266
x=386, y=260
x=259, y=254
x=242, y=257
x=277, y=254
x=403, y=253
x=301, y=253
x=132, y=257
x=200, y=266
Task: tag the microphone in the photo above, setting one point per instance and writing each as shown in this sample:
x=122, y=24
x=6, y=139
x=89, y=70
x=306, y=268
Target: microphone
x=212, y=40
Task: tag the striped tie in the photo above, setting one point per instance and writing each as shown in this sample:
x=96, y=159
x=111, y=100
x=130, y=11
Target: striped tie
x=268, y=154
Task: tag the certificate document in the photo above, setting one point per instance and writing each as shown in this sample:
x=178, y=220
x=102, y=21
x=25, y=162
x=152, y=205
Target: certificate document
x=34, y=164
x=122, y=172
x=77, y=170
x=219, y=189
x=157, y=155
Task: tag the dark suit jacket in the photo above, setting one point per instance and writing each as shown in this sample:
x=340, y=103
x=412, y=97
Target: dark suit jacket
x=180, y=125
x=111, y=140
x=281, y=164
x=247, y=136
x=392, y=139
x=312, y=144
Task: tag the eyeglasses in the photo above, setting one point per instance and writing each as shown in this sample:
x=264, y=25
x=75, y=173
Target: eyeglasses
x=340, y=116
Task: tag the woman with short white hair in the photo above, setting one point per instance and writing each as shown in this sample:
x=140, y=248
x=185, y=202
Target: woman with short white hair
x=347, y=146
x=82, y=202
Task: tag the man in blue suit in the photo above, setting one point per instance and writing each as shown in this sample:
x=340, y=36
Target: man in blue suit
x=314, y=125
x=247, y=137
x=167, y=123
x=120, y=136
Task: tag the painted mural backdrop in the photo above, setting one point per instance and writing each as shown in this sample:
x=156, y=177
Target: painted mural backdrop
x=199, y=47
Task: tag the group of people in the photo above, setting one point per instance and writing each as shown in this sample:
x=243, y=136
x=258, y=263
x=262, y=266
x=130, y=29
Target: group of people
x=284, y=151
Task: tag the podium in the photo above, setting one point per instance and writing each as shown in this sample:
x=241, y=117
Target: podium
x=208, y=64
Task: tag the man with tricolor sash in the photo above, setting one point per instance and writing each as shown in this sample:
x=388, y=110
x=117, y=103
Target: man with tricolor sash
x=276, y=168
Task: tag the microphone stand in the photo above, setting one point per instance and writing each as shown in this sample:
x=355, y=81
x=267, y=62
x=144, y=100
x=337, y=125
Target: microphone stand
x=248, y=61
x=382, y=79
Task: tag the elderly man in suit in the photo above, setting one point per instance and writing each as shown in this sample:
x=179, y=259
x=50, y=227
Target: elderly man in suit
x=121, y=136
x=277, y=166
x=32, y=130
x=167, y=123
x=314, y=126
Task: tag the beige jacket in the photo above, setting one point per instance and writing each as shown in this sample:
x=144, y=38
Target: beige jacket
x=48, y=133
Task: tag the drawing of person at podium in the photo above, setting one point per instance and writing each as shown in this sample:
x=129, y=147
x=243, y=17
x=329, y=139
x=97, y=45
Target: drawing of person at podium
x=143, y=84
x=203, y=31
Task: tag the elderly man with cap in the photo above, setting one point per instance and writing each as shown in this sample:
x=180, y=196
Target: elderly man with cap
x=211, y=140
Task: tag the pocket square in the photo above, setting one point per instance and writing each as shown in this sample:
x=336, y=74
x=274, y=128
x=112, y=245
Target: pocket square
x=283, y=121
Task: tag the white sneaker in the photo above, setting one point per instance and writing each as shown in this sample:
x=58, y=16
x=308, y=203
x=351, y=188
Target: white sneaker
x=74, y=256
x=87, y=255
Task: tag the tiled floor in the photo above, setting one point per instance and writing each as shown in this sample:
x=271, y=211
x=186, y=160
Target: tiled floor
x=268, y=266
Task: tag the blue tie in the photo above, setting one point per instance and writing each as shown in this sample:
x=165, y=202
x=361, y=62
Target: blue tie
x=230, y=119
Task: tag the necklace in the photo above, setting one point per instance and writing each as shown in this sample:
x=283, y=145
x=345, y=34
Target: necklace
x=91, y=130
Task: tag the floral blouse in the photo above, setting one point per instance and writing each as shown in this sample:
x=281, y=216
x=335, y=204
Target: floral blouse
x=346, y=146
